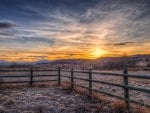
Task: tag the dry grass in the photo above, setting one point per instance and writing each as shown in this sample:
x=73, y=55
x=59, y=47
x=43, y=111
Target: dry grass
x=66, y=87
x=81, y=91
x=39, y=109
x=119, y=107
x=100, y=97
x=12, y=86
x=15, y=85
x=102, y=106
x=26, y=111
x=45, y=84
x=82, y=109
x=141, y=110
x=6, y=100
x=61, y=108
x=2, y=109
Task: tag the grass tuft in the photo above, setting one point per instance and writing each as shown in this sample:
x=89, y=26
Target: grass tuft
x=2, y=109
x=119, y=106
x=6, y=100
x=39, y=109
x=140, y=110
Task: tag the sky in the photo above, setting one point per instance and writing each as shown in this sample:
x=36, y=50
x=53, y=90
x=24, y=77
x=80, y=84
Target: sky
x=32, y=30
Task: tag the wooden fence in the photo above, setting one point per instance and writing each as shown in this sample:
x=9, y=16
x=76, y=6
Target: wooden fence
x=90, y=81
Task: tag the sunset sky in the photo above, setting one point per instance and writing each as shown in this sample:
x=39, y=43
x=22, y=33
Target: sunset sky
x=32, y=30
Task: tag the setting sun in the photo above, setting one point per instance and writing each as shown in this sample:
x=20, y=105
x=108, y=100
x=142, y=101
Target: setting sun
x=97, y=53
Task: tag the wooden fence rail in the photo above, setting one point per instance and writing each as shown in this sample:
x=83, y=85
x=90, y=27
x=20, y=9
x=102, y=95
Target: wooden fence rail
x=31, y=76
x=90, y=81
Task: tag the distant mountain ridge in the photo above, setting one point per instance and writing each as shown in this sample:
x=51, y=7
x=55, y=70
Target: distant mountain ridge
x=75, y=61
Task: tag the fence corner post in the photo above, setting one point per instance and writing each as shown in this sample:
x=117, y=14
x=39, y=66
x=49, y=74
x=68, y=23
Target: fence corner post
x=31, y=77
x=90, y=82
x=72, y=78
x=59, y=76
x=126, y=90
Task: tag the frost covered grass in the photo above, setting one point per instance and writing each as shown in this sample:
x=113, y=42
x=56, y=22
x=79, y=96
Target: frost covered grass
x=45, y=99
x=42, y=98
x=103, y=104
x=136, y=95
x=50, y=98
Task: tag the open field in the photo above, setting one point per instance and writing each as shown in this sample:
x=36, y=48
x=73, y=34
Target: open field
x=141, y=97
x=136, y=95
x=44, y=100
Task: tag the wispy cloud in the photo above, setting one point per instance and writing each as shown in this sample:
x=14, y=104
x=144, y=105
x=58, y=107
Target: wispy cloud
x=122, y=43
x=75, y=28
x=6, y=25
x=5, y=34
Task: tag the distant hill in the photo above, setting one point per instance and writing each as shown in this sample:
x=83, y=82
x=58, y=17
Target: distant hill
x=103, y=60
x=2, y=63
x=70, y=61
x=80, y=61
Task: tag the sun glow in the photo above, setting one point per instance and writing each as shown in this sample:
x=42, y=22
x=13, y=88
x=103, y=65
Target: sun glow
x=97, y=53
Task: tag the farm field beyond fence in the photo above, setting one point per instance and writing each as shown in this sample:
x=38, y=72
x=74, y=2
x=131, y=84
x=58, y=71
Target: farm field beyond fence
x=81, y=78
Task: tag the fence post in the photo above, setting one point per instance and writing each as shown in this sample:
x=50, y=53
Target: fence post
x=72, y=78
x=58, y=75
x=31, y=76
x=90, y=82
x=126, y=90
